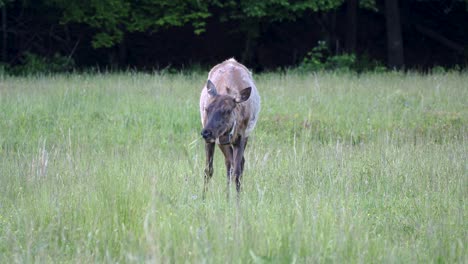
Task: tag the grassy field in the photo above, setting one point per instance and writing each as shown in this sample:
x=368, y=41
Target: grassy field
x=342, y=168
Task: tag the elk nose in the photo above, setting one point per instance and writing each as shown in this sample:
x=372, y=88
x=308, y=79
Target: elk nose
x=206, y=134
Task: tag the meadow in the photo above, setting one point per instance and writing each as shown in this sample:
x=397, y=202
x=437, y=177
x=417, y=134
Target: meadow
x=341, y=168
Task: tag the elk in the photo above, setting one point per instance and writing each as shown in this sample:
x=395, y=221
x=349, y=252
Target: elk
x=229, y=108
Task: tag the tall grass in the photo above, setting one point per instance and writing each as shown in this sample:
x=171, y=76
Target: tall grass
x=348, y=168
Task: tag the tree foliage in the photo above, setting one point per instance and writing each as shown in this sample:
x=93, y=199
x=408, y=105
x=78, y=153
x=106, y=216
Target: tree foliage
x=269, y=33
x=275, y=10
x=113, y=18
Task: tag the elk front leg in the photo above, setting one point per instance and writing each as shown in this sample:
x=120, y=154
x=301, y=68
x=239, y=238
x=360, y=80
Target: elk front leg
x=209, y=150
x=239, y=162
x=228, y=161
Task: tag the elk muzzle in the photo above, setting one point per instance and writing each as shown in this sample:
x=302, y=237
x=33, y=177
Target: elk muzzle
x=207, y=134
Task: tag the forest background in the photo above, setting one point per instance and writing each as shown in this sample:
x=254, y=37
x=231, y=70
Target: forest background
x=64, y=35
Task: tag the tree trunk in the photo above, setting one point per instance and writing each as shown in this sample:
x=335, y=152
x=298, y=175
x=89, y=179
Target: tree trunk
x=122, y=52
x=252, y=32
x=351, y=27
x=394, y=37
x=5, y=34
x=247, y=53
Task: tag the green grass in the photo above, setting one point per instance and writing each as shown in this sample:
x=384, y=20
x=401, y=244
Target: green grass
x=341, y=168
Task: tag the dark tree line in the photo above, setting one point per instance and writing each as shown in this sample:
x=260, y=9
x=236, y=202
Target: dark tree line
x=149, y=34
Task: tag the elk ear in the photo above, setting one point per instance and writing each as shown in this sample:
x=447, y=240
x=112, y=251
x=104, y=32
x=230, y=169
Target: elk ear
x=244, y=95
x=211, y=88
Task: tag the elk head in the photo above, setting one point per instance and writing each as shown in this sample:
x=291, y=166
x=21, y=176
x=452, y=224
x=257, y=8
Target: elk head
x=221, y=115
